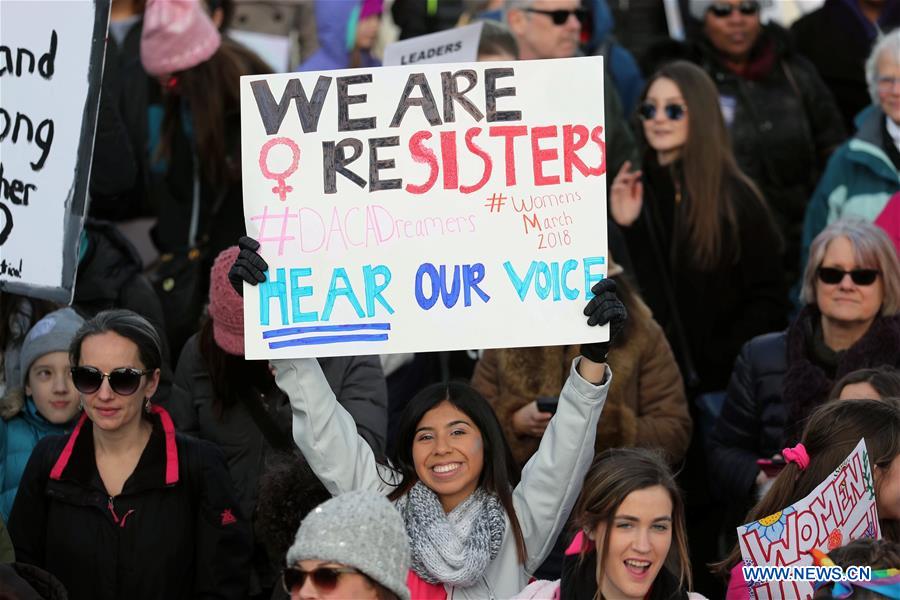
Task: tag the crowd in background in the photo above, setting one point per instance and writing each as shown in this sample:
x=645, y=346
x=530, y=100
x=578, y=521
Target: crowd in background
x=753, y=299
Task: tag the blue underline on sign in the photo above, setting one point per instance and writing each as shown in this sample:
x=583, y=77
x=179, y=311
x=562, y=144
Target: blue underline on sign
x=329, y=339
x=323, y=328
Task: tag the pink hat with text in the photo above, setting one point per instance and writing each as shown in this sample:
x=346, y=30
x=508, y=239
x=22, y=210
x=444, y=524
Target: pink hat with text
x=177, y=35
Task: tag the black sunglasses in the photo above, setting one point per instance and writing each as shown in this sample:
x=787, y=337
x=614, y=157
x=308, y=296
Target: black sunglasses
x=123, y=381
x=833, y=276
x=747, y=8
x=324, y=578
x=560, y=16
x=675, y=112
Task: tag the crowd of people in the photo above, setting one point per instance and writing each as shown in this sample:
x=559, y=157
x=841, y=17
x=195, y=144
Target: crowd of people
x=752, y=299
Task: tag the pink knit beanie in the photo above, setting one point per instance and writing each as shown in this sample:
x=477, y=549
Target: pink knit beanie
x=226, y=307
x=177, y=35
x=371, y=7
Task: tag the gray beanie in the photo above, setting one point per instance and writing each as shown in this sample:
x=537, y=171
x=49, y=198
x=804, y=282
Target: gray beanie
x=53, y=333
x=360, y=529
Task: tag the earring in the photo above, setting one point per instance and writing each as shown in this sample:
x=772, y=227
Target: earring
x=81, y=406
x=147, y=406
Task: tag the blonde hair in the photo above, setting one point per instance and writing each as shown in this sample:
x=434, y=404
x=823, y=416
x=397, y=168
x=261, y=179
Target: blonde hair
x=872, y=248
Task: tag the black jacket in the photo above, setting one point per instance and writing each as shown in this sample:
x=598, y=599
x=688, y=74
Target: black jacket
x=776, y=385
x=174, y=532
x=842, y=66
x=357, y=382
x=720, y=309
x=783, y=121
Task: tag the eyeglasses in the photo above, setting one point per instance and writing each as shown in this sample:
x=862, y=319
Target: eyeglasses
x=123, y=381
x=833, y=276
x=674, y=112
x=888, y=83
x=747, y=8
x=560, y=16
x=324, y=578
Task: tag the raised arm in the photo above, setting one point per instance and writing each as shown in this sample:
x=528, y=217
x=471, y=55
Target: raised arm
x=326, y=433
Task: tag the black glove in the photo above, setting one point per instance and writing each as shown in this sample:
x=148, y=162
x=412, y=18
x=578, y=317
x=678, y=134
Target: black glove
x=605, y=307
x=248, y=266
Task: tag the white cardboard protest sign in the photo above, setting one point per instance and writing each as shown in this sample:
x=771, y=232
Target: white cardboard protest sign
x=51, y=62
x=840, y=509
x=436, y=207
x=456, y=45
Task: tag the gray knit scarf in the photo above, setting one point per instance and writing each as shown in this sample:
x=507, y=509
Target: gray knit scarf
x=453, y=548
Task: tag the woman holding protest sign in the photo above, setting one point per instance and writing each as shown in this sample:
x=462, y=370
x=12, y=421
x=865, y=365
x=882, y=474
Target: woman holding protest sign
x=123, y=507
x=702, y=242
x=630, y=519
x=473, y=532
x=831, y=434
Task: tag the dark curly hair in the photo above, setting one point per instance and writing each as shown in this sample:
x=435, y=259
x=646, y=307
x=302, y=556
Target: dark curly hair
x=288, y=491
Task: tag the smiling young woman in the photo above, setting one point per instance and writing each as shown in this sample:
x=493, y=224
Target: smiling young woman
x=475, y=530
x=630, y=522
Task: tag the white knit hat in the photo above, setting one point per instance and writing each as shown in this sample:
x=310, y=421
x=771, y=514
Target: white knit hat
x=360, y=529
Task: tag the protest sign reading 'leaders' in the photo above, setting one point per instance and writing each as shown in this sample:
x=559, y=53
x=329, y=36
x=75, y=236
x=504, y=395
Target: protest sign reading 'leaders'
x=51, y=62
x=439, y=207
x=840, y=509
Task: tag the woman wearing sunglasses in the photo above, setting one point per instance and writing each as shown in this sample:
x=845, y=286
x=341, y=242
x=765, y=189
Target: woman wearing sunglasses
x=783, y=121
x=697, y=230
x=476, y=528
x=123, y=507
x=851, y=291
x=351, y=546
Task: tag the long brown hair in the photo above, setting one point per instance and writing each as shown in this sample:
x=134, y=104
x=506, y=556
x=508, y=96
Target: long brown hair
x=711, y=175
x=615, y=474
x=831, y=433
x=211, y=92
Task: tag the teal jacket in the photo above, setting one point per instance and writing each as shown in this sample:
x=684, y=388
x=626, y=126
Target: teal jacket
x=858, y=181
x=18, y=437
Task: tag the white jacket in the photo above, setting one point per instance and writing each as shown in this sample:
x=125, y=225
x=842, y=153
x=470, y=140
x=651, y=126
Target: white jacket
x=550, y=484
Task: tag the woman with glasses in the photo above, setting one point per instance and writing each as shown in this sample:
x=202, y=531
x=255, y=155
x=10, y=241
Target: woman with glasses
x=703, y=245
x=851, y=292
x=123, y=507
x=351, y=546
x=783, y=121
x=865, y=172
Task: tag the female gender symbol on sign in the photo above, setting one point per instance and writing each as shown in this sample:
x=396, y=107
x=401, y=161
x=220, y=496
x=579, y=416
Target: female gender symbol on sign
x=282, y=188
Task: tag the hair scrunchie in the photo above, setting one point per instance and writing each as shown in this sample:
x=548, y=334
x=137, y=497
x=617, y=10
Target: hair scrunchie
x=797, y=455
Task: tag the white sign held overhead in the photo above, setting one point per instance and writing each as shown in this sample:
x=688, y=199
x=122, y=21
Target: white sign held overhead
x=433, y=207
x=456, y=45
x=51, y=63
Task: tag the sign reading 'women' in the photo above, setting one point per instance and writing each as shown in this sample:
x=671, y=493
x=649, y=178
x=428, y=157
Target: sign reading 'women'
x=419, y=208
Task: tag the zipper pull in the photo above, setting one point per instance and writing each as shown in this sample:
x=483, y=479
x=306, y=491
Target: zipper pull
x=112, y=510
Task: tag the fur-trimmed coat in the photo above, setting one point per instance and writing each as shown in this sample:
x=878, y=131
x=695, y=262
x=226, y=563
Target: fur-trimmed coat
x=646, y=405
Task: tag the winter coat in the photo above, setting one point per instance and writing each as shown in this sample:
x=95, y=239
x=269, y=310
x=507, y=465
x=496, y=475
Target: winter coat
x=175, y=531
x=842, y=66
x=110, y=275
x=18, y=437
x=775, y=386
x=783, y=121
x=859, y=180
x=7, y=552
x=332, y=23
x=21, y=581
x=357, y=381
x=646, y=405
x=419, y=17
x=550, y=484
x=620, y=63
x=720, y=308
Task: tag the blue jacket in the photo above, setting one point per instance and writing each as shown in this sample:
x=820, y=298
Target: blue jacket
x=621, y=64
x=18, y=437
x=858, y=181
x=333, y=24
